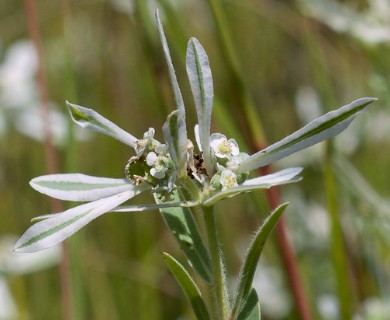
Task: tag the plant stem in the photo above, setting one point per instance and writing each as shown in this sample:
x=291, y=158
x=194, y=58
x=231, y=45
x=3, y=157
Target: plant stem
x=220, y=304
x=287, y=255
x=51, y=158
x=338, y=250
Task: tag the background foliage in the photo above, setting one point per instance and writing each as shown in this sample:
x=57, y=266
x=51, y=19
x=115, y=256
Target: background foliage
x=296, y=59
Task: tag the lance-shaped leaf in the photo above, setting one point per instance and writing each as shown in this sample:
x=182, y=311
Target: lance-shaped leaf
x=251, y=308
x=201, y=81
x=249, y=266
x=322, y=128
x=181, y=223
x=171, y=70
x=264, y=182
x=189, y=287
x=176, y=139
x=57, y=227
x=280, y=177
x=79, y=187
x=88, y=118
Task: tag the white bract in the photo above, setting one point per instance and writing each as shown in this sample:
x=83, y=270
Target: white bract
x=212, y=172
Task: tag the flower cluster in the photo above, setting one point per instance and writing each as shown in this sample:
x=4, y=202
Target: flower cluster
x=173, y=171
x=151, y=164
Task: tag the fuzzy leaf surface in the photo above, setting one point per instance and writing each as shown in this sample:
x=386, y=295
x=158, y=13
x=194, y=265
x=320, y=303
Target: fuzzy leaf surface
x=251, y=309
x=189, y=287
x=251, y=260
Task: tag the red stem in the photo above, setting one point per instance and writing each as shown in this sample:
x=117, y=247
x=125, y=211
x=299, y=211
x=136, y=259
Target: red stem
x=287, y=254
x=50, y=152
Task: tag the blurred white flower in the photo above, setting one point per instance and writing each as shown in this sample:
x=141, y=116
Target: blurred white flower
x=8, y=310
x=17, y=263
x=308, y=104
x=371, y=26
x=328, y=307
x=268, y=282
x=19, y=103
x=375, y=309
x=12, y=263
x=17, y=71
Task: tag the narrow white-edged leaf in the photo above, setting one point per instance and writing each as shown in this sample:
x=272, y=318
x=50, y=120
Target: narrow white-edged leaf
x=264, y=182
x=322, y=128
x=189, y=287
x=154, y=206
x=60, y=226
x=79, y=187
x=176, y=139
x=171, y=70
x=249, y=266
x=88, y=118
x=279, y=177
x=201, y=81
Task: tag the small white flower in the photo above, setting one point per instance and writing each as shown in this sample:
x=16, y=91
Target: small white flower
x=159, y=164
x=228, y=180
x=222, y=147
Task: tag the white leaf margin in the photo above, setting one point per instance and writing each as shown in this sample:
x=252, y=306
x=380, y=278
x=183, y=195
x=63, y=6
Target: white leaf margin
x=90, y=119
x=201, y=81
x=60, y=226
x=320, y=129
x=79, y=187
x=281, y=177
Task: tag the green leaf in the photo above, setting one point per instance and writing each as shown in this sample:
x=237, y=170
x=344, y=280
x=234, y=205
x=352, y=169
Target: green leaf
x=88, y=118
x=249, y=266
x=201, y=81
x=171, y=70
x=322, y=128
x=185, y=230
x=251, y=309
x=60, y=226
x=189, y=287
x=176, y=139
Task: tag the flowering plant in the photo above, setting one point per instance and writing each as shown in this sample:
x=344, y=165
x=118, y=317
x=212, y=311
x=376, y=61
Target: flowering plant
x=186, y=180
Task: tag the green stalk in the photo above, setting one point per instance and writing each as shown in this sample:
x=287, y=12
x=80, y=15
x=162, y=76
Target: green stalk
x=253, y=125
x=220, y=303
x=340, y=263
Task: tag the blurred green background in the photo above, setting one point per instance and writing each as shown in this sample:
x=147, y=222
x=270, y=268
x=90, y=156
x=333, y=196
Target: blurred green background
x=276, y=65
